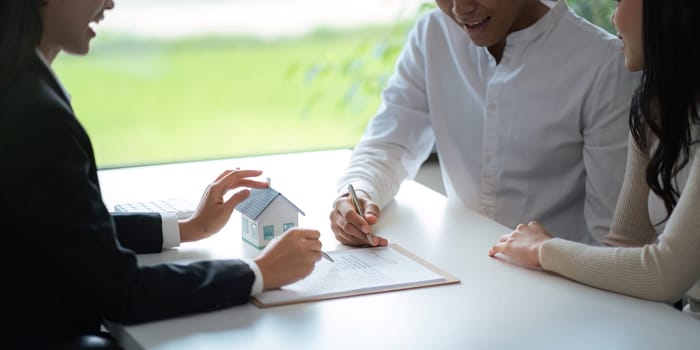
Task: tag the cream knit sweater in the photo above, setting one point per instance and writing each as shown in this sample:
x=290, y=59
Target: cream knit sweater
x=636, y=261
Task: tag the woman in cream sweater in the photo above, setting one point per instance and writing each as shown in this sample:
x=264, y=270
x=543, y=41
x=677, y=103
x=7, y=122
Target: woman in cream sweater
x=660, y=39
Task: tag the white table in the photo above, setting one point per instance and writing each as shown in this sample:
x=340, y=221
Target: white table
x=498, y=305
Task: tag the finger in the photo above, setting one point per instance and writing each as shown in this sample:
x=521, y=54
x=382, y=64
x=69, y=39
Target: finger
x=520, y=227
x=355, y=226
x=311, y=235
x=345, y=238
x=239, y=174
x=237, y=198
x=345, y=232
x=357, y=220
x=353, y=240
x=224, y=185
x=244, y=183
x=370, y=239
x=535, y=224
x=373, y=240
x=372, y=208
x=371, y=213
x=346, y=209
x=224, y=173
x=381, y=241
x=497, y=248
x=315, y=245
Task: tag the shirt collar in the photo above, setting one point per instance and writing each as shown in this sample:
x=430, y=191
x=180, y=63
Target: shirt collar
x=543, y=25
x=43, y=60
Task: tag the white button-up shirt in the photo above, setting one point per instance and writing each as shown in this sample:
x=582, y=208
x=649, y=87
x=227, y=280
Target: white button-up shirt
x=539, y=136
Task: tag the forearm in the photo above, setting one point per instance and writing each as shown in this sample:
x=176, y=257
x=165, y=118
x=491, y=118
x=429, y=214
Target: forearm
x=662, y=271
x=638, y=272
x=375, y=169
x=631, y=225
x=399, y=138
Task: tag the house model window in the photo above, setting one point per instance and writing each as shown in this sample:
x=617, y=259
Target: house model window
x=265, y=215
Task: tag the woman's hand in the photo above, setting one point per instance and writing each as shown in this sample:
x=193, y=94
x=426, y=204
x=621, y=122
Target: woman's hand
x=523, y=244
x=213, y=211
x=289, y=257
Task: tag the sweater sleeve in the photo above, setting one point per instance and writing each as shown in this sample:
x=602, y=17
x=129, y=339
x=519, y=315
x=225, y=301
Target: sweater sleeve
x=631, y=225
x=660, y=270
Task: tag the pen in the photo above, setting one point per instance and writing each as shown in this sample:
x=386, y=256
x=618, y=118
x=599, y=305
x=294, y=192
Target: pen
x=325, y=255
x=356, y=204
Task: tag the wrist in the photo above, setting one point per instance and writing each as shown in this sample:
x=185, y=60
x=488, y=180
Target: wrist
x=187, y=230
x=538, y=252
x=264, y=273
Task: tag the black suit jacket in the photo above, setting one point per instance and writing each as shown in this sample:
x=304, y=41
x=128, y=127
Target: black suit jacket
x=67, y=263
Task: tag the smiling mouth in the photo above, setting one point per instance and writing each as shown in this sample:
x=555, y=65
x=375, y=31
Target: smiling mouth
x=476, y=24
x=95, y=22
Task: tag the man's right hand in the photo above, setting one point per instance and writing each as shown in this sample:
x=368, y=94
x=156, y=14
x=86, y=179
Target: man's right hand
x=289, y=257
x=352, y=228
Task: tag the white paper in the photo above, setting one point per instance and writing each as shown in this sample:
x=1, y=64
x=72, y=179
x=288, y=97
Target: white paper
x=354, y=270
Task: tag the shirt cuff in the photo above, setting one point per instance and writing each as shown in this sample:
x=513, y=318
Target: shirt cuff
x=258, y=282
x=171, y=230
x=360, y=186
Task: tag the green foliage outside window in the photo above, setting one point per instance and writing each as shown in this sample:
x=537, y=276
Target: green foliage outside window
x=370, y=66
x=165, y=100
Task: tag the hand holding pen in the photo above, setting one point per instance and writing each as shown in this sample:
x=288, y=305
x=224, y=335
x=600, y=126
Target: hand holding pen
x=358, y=210
x=352, y=217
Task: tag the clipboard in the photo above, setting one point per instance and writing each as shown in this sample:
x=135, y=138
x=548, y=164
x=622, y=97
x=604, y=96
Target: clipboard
x=359, y=271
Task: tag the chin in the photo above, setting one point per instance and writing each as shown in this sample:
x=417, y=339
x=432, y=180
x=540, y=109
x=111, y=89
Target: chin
x=79, y=50
x=633, y=66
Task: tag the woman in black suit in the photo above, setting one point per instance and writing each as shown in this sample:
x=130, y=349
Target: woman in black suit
x=68, y=264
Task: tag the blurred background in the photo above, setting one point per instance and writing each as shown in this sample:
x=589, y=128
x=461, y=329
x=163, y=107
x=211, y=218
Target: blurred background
x=179, y=80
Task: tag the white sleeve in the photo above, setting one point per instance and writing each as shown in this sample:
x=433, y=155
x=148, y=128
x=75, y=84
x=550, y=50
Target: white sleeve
x=605, y=130
x=171, y=230
x=258, y=282
x=399, y=138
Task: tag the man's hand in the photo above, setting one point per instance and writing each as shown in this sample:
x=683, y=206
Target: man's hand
x=352, y=228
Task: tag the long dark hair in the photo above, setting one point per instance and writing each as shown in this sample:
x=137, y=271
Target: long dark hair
x=666, y=103
x=20, y=32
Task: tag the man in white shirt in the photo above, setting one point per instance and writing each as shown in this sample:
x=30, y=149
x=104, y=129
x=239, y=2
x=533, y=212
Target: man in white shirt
x=526, y=104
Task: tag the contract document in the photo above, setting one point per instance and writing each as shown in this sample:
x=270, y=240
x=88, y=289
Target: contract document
x=358, y=271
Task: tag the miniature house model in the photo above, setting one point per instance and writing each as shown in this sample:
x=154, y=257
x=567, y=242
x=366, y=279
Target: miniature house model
x=265, y=215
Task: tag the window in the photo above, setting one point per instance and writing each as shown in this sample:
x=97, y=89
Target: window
x=287, y=226
x=268, y=232
x=197, y=79
x=244, y=224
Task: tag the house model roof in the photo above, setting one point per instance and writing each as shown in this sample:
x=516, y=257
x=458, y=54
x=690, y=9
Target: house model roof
x=259, y=200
